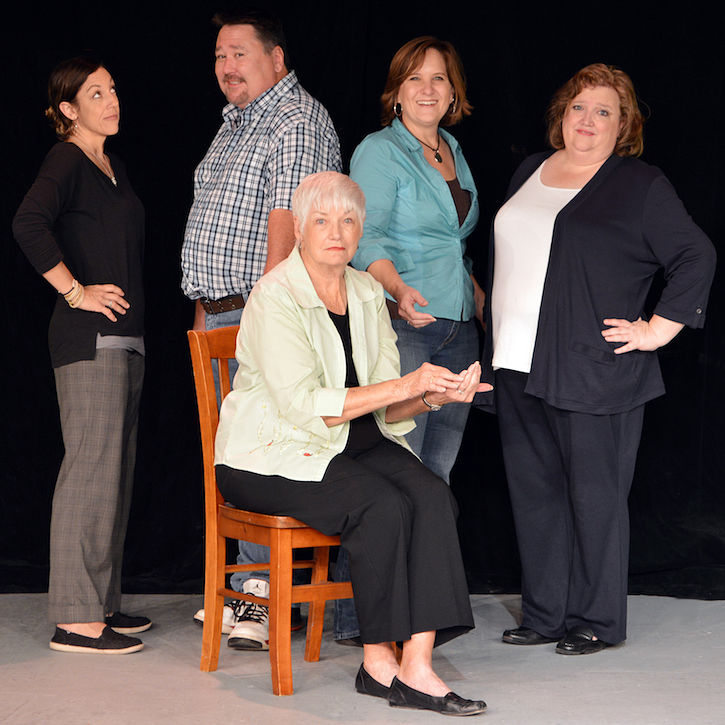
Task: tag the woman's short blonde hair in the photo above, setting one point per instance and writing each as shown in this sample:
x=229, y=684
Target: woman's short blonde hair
x=411, y=56
x=629, y=140
x=327, y=190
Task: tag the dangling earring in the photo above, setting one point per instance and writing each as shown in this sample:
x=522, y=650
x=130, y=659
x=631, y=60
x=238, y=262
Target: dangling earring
x=398, y=110
x=453, y=107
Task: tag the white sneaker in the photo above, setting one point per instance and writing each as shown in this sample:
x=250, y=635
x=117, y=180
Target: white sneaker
x=252, y=630
x=230, y=615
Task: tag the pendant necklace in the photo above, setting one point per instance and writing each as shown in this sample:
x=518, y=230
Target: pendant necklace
x=102, y=163
x=436, y=154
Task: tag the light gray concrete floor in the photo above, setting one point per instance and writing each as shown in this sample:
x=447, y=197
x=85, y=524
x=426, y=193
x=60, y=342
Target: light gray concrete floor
x=671, y=670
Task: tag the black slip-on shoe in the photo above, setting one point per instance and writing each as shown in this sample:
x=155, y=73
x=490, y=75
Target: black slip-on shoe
x=524, y=635
x=109, y=643
x=580, y=640
x=366, y=684
x=451, y=704
x=127, y=624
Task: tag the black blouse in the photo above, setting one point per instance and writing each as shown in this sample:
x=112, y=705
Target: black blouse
x=364, y=431
x=74, y=213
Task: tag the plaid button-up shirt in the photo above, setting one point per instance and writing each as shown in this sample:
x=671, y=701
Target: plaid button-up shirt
x=256, y=161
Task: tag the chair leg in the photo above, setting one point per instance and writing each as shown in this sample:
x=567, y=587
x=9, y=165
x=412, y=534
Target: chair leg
x=213, y=602
x=316, y=613
x=280, y=601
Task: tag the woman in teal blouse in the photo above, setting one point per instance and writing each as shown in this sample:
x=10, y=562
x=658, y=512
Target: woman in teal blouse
x=422, y=204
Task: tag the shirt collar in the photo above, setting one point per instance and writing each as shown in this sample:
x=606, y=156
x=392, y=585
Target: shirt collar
x=234, y=116
x=303, y=291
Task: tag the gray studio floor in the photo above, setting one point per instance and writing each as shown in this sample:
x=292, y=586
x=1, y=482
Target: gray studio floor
x=672, y=670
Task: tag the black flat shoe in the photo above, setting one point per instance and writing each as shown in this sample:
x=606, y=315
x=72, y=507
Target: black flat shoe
x=366, y=684
x=524, y=635
x=451, y=704
x=108, y=643
x=580, y=640
x=127, y=624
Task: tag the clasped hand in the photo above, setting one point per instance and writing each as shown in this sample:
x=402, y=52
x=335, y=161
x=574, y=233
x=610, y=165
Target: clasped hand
x=443, y=386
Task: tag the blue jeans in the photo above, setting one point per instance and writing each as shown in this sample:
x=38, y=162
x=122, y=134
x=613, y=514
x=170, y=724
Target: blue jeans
x=249, y=553
x=454, y=345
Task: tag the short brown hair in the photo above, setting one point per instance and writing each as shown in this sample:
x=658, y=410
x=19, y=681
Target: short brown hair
x=629, y=140
x=410, y=57
x=64, y=83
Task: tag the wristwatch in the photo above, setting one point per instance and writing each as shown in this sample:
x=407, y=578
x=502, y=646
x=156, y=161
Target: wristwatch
x=433, y=408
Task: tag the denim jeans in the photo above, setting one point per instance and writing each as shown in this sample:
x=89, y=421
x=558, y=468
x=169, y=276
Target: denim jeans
x=249, y=553
x=454, y=345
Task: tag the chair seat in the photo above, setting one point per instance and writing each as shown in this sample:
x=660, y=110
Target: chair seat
x=249, y=517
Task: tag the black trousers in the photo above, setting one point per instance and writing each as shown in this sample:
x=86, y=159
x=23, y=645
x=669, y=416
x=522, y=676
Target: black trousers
x=569, y=476
x=397, y=521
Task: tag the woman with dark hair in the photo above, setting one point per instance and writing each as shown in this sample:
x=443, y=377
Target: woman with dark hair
x=422, y=205
x=574, y=250
x=82, y=227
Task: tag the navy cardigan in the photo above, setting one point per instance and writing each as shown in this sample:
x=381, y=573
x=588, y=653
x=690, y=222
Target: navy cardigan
x=608, y=243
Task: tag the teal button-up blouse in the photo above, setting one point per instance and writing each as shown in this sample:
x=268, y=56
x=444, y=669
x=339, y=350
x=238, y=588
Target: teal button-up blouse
x=411, y=219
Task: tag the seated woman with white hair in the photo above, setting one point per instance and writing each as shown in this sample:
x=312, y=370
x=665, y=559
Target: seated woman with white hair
x=314, y=427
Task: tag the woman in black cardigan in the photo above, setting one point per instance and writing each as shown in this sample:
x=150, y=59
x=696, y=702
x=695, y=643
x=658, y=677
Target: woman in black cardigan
x=82, y=228
x=575, y=248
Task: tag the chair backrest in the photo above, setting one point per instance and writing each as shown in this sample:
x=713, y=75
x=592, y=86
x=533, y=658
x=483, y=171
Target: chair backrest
x=206, y=346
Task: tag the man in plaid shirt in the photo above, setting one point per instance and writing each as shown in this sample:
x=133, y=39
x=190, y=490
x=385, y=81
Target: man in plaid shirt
x=240, y=224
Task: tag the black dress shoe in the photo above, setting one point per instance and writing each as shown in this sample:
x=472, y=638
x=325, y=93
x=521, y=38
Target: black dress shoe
x=365, y=684
x=451, y=704
x=524, y=635
x=580, y=640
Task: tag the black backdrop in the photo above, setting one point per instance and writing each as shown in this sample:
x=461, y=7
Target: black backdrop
x=515, y=58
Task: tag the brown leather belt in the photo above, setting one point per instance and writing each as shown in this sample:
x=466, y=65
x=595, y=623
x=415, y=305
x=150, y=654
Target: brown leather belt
x=393, y=310
x=225, y=304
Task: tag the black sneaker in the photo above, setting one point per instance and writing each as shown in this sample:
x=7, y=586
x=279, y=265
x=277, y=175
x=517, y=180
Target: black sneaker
x=125, y=624
x=109, y=643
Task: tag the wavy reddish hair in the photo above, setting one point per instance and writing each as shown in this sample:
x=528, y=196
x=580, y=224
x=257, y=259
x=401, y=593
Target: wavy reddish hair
x=629, y=141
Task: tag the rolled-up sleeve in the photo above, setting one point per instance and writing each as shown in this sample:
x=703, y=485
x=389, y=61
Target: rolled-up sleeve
x=684, y=251
x=297, y=153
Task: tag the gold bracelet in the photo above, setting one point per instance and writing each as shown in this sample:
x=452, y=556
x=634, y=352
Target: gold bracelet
x=74, y=296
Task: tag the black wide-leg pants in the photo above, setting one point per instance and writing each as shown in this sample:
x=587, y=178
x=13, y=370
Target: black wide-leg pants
x=569, y=477
x=397, y=521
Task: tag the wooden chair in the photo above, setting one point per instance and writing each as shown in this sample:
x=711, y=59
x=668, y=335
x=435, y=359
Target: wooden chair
x=282, y=534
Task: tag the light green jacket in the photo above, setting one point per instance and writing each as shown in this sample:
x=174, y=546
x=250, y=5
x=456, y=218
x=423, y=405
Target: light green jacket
x=292, y=372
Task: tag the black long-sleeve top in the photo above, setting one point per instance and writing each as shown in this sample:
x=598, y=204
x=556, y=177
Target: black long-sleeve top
x=74, y=213
x=608, y=243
